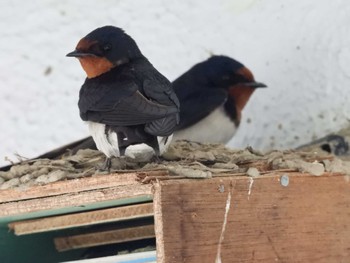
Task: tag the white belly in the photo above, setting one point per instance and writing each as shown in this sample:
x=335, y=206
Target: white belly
x=108, y=142
x=143, y=151
x=217, y=127
x=105, y=142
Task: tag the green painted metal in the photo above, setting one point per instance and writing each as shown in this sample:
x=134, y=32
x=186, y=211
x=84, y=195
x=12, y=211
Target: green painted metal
x=36, y=248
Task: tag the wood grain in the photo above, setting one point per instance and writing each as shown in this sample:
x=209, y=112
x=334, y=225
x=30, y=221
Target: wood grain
x=75, y=199
x=82, y=219
x=242, y=219
x=69, y=186
x=103, y=238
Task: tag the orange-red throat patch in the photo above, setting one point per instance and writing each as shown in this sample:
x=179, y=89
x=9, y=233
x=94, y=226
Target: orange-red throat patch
x=95, y=66
x=241, y=95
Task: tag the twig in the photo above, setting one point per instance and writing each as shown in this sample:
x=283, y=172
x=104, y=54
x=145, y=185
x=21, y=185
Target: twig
x=9, y=160
x=286, y=170
x=21, y=158
x=149, y=179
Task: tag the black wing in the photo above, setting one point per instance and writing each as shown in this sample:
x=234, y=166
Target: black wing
x=199, y=105
x=159, y=89
x=121, y=106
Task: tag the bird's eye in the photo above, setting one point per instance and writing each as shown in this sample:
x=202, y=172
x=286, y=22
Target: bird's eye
x=107, y=47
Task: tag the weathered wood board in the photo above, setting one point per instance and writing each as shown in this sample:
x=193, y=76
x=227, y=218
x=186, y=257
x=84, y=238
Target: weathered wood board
x=103, y=238
x=263, y=219
x=114, y=214
x=69, y=186
x=74, y=199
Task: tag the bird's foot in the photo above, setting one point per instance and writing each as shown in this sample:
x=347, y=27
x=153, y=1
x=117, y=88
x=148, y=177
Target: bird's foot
x=157, y=159
x=106, y=166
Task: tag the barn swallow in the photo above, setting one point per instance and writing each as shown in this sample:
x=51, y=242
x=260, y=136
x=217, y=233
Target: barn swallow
x=124, y=99
x=218, y=74
x=212, y=95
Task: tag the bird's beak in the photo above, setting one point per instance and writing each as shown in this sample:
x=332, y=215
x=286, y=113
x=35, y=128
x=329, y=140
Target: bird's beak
x=255, y=85
x=78, y=54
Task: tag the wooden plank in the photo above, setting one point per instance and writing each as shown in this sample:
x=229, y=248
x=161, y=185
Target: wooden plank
x=68, y=186
x=253, y=219
x=104, y=238
x=82, y=219
x=138, y=257
x=75, y=199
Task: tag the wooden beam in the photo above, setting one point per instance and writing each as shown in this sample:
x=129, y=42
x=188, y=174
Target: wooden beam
x=295, y=218
x=104, y=238
x=69, y=186
x=75, y=199
x=82, y=219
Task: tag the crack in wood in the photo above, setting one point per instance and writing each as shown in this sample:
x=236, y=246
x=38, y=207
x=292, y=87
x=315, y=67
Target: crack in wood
x=251, y=181
x=278, y=258
x=227, y=210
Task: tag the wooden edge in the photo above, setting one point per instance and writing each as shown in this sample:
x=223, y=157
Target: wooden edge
x=134, y=257
x=74, y=199
x=158, y=222
x=68, y=186
x=85, y=184
x=97, y=195
x=104, y=238
x=272, y=173
x=242, y=176
x=82, y=219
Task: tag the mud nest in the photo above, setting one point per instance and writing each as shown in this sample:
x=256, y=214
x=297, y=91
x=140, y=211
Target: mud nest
x=186, y=159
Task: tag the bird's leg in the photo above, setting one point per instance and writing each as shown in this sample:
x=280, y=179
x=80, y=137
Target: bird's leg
x=107, y=164
x=157, y=158
x=122, y=151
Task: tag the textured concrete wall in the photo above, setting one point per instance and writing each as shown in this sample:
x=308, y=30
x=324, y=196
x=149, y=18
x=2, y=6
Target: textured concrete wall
x=301, y=49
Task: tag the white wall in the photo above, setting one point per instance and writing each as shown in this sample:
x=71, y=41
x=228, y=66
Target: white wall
x=301, y=49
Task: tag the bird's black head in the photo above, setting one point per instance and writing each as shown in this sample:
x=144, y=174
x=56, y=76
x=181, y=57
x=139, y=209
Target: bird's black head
x=220, y=72
x=225, y=72
x=237, y=79
x=105, y=48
